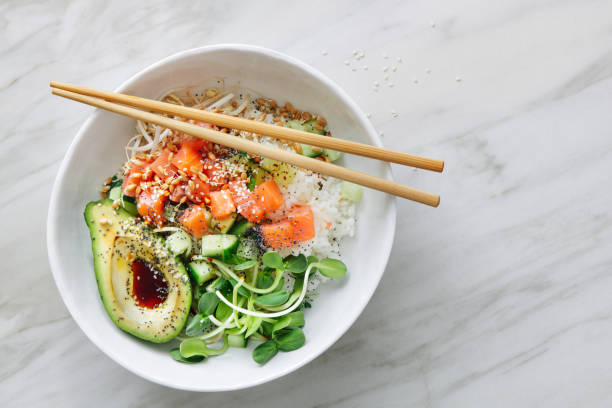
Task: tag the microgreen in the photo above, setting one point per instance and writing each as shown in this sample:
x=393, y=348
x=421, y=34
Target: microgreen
x=176, y=354
x=208, y=303
x=331, y=268
x=245, y=265
x=296, y=264
x=264, y=352
x=291, y=339
x=272, y=299
x=272, y=260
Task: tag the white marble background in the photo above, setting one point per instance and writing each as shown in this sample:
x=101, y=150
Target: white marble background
x=499, y=298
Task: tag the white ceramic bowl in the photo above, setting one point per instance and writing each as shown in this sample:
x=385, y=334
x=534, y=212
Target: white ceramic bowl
x=97, y=151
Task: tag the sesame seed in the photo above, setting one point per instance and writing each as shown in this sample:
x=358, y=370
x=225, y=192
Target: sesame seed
x=385, y=69
x=369, y=115
x=386, y=77
x=347, y=62
x=376, y=83
x=390, y=85
x=458, y=79
x=394, y=68
x=365, y=67
x=432, y=24
x=399, y=59
x=382, y=134
x=324, y=53
x=355, y=52
x=427, y=71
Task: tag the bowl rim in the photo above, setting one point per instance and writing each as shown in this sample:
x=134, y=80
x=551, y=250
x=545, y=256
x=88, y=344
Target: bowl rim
x=53, y=224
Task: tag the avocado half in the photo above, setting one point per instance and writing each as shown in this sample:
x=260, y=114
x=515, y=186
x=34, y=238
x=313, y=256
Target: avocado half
x=144, y=287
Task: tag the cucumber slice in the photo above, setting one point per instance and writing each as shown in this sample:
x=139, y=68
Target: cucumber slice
x=115, y=193
x=332, y=155
x=311, y=151
x=201, y=271
x=240, y=228
x=295, y=124
x=269, y=164
x=219, y=246
x=247, y=249
x=236, y=340
x=179, y=243
x=128, y=203
x=282, y=173
x=351, y=191
x=258, y=175
x=223, y=225
x=310, y=127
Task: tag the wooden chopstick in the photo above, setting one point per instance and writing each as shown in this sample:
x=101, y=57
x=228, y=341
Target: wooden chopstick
x=278, y=132
x=253, y=148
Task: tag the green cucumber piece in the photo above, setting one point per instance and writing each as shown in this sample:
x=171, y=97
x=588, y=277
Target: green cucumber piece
x=236, y=340
x=269, y=164
x=115, y=193
x=295, y=124
x=219, y=246
x=310, y=127
x=311, y=151
x=127, y=203
x=332, y=155
x=201, y=271
x=351, y=191
x=223, y=225
x=179, y=243
x=258, y=175
x=240, y=228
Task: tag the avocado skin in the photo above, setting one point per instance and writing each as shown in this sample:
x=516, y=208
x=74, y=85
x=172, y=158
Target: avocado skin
x=101, y=239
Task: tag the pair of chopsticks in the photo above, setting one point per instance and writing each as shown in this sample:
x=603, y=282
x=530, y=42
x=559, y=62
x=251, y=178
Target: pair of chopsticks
x=104, y=100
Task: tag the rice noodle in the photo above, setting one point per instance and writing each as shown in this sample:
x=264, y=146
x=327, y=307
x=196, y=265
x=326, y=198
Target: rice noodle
x=240, y=108
x=221, y=101
x=143, y=130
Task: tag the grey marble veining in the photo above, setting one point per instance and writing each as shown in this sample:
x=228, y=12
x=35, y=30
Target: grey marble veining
x=500, y=297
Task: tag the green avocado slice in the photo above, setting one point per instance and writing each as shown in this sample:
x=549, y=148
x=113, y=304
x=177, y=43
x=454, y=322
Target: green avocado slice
x=118, y=242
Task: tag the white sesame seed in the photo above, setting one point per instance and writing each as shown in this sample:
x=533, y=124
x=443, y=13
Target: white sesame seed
x=353, y=69
x=324, y=53
x=369, y=115
x=458, y=79
x=390, y=85
x=432, y=24
x=394, y=68
x=399, y=59
x=428, y=71
x=355, y=52
x=376, y=83
x=385, y=69
x=347, y=62
x=382, y=134
x=385, y=56
x=365, y=67
x=386, y=77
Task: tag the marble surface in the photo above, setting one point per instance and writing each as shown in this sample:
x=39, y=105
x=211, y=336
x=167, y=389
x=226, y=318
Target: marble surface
x=500, y=297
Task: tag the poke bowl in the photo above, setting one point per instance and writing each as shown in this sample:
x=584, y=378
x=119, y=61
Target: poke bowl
x=196, y=251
